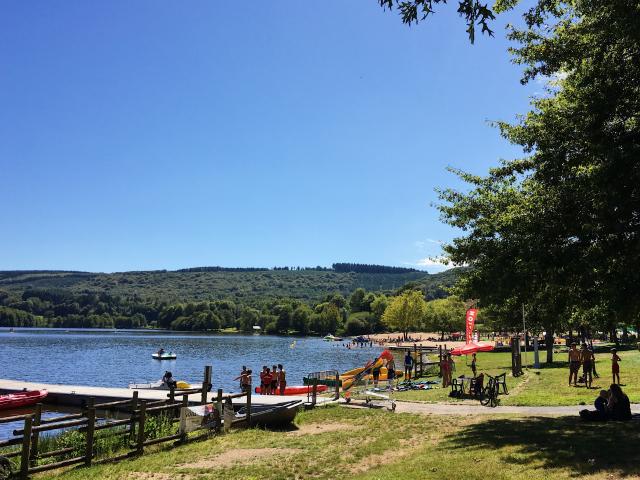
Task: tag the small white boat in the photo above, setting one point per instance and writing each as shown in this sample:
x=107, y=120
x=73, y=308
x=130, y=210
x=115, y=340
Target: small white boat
x=331, y=338
x=164, y=356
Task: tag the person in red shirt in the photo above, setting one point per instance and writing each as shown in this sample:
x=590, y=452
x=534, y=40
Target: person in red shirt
x=267, y=382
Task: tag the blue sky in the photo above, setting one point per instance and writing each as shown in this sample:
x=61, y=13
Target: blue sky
x=157, y=134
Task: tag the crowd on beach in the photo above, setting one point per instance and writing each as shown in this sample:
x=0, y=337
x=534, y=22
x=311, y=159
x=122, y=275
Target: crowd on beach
x=273, y=381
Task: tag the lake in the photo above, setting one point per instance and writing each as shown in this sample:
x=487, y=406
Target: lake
x=116, y=358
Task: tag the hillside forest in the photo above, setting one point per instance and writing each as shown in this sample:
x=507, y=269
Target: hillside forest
x=346, y=299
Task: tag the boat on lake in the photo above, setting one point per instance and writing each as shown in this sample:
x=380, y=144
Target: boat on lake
x=331, y=338
x=164, y=356
x=21, y=399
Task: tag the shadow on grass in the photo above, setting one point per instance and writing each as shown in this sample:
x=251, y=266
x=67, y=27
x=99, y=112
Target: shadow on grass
x=565, y=442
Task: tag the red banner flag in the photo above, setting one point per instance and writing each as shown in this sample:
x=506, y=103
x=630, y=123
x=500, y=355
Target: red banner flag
x=472, y=313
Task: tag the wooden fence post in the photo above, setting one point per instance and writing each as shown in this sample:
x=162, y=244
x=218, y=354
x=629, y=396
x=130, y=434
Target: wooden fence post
x=26, y=447
x=183, y=419
x=206, y=384
x=141, y=420
x=415, y=363
x=134, y=406
x=172, y=393
x=37, y=417
x=91, y=425
x=249, y=408
x=337, y=386
x=219, y=402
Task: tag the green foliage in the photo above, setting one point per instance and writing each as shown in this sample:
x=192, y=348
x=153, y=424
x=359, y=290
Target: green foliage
x=405, y=312
x=445, y=315
x=558, y=230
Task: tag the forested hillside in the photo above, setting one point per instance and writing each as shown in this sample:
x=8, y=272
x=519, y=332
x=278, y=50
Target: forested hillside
x=248, y=285
x=279, y=300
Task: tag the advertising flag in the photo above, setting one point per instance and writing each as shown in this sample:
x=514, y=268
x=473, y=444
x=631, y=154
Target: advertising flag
x=472, y=313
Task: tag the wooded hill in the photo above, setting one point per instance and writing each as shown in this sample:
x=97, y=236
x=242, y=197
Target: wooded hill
x=242, y=285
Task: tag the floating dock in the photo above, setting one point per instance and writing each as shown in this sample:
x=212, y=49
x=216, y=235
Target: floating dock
x=78, y=395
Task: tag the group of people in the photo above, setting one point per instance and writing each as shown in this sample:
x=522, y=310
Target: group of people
x=611, y=404
x=586, y=358
x=273, y=381
x=390, y=364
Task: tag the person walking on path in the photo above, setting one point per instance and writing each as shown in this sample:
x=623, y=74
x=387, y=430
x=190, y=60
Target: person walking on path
x=586, y=356
x=408, y=365
x=615, y=366
x=574, y=364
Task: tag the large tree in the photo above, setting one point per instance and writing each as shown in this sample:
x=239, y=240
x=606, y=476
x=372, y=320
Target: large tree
x=559, y=230
x=405, y=312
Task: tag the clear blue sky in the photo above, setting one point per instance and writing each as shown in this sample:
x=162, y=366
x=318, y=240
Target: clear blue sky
x=160, y=134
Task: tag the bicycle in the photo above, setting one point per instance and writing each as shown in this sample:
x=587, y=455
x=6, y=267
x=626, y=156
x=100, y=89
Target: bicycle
x=490, y=393
x=6, y=469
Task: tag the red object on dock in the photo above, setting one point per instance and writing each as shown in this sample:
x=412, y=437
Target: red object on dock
x=297, y=389
x=21, y=399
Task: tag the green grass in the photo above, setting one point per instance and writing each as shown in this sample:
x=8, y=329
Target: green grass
x=375, y=444
x=547, y=386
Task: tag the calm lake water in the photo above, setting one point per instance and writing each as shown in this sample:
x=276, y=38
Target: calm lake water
x=115, y=359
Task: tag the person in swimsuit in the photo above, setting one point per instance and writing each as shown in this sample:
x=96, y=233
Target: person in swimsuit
x=445, y=369
x=391, y=372
x=268, y=377
x=282, y=379
x=263, y=388
x=375, y=372
x=274, y=380
x=574, y=364
x=615, y=366
x=586, y=356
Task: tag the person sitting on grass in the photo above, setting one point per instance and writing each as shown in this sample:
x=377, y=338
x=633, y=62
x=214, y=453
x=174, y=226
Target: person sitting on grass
x=618, y=407
x=600, y=413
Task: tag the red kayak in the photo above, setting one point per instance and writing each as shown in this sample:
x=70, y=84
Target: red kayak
x=298, y=389
x=21, y=399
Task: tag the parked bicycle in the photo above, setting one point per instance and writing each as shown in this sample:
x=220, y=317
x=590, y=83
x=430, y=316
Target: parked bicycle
x=490, y=393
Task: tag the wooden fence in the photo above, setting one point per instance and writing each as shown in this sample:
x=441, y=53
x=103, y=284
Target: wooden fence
x=136, y=411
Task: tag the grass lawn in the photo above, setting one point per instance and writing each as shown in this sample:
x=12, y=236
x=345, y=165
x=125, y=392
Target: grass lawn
x=338, y=442
x=547, y=386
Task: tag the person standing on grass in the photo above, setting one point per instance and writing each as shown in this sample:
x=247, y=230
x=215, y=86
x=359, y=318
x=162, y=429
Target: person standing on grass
x=615, y=366
x=574, y=364
x=474, y=365
x=587, y=358
x=408, y=365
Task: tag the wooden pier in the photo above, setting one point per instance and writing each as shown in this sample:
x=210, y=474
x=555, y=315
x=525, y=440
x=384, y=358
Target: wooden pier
x=78, y=396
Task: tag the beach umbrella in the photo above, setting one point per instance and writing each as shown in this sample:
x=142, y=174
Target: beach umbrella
x=473, y=347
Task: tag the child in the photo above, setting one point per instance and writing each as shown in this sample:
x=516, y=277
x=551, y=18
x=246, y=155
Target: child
x=615, y=367
x=267, y=382
x=282, y=379
x=274, y=380
x=473, y=365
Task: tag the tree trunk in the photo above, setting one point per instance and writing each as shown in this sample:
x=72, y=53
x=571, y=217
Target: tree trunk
x=548, y=342
x=614, y=337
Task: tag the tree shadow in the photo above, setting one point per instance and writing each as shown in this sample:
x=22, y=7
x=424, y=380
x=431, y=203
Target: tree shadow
x=565, y=442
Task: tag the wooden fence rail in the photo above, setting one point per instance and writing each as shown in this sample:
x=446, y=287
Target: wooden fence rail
x=137, y=413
